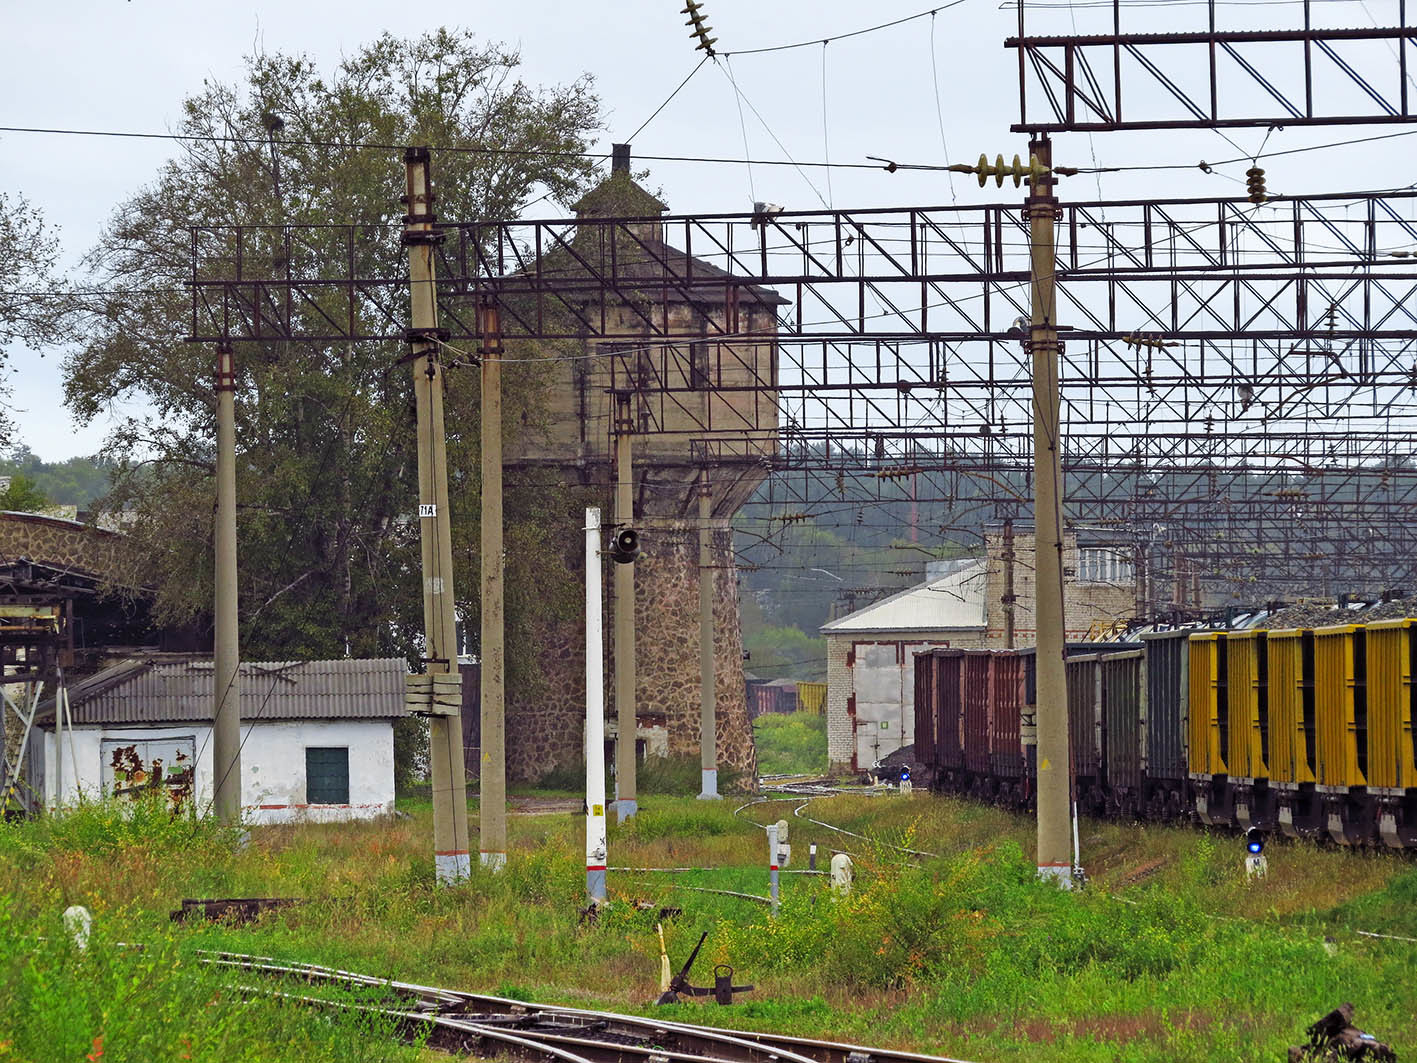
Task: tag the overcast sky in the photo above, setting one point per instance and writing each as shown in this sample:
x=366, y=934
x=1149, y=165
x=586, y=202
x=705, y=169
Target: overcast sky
x=127, y=66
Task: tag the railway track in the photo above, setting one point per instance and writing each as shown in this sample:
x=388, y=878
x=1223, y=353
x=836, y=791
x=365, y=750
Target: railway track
x=496, y=1027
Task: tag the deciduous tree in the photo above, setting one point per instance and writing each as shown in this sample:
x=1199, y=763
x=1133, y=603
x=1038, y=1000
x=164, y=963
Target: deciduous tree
x=327, y=470
x=32, y=299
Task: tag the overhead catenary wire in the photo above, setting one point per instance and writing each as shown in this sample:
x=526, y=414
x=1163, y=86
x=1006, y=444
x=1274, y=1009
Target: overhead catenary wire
x=727, y=69
x=641, y=128
x=452, y=149
x=879, y=163
x=843, y=36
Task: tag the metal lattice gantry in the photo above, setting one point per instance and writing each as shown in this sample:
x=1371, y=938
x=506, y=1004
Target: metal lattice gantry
x=1205, y=75
x=1264, y=348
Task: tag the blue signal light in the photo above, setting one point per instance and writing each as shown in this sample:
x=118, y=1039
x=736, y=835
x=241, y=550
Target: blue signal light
x=1254, y=840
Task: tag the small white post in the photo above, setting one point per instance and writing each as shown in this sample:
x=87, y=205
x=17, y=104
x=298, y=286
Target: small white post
x=784, y=848
x=78, y=923
x=1077, y=852
x=842, y=873
x=595, y=838
x=772, y=865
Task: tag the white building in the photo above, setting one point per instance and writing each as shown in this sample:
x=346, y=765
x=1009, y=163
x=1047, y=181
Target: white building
x=317, y=738
x=871, y=659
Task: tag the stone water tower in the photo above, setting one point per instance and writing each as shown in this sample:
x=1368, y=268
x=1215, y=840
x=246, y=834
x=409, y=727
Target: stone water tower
x=700, y=408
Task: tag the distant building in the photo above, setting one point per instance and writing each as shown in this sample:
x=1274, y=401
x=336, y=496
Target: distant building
x=1099, y=584
x=871, y=659
x=688, y=376
x=316, y=737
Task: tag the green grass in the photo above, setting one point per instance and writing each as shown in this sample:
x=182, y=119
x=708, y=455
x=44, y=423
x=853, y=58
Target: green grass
x=791, y=744
x=1168, y=955
x=123, y=1000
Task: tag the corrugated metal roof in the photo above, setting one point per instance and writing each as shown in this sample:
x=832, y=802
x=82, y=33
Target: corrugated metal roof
x=949, y=604
x=162, y=690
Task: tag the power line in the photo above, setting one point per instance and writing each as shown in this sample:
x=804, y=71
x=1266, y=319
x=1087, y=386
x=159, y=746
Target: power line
x=844, y=36
x=667, y=100
x=879, y=163
x=212, y=138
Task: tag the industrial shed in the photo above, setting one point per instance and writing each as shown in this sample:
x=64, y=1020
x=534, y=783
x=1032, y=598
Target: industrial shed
x=871, y=659
x=317, y=736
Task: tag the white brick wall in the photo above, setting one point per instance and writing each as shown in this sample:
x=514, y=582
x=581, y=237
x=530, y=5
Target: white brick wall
x=840, y=737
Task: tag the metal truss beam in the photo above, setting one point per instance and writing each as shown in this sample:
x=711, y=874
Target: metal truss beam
x=1221, y=362
x=1303, y=76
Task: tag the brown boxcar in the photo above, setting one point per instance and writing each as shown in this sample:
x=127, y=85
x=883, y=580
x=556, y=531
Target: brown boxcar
x=948, y=695
x=978, y=703
x=925, y=707
x=1005, y=737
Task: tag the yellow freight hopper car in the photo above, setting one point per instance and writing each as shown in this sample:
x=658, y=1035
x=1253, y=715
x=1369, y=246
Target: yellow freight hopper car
x=1290, y=660
x=1392, y=755
x=1247, y=724
x=1341, y=731
x=1207, y=727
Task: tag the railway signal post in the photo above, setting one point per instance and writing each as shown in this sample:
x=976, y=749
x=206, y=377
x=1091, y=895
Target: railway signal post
x=708, y=726
x=492, y=774
x=595, y=835
x=626, y=798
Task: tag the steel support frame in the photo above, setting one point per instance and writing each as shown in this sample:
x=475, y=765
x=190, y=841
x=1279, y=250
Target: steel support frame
x=1080, y=77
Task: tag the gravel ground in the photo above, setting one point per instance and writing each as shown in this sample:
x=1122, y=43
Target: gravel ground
x=1314, y=614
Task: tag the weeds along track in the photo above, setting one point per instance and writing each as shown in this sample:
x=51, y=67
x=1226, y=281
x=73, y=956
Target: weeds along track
x=497, y=1027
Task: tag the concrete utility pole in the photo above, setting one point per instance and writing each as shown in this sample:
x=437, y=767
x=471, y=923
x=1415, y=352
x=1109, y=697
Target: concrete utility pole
x=626, y=765
x=708, y=727
x=437, y=692
x=595, y=838
x=1010, y=598
x=1054, y=767
x=226, y=679
x=492, y=790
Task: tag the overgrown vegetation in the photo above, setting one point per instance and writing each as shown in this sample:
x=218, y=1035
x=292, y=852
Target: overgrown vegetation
x=791, y=744
x=1168, y=955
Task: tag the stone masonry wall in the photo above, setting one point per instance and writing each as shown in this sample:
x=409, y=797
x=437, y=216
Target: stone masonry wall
x=66, y=543
x=547, y=731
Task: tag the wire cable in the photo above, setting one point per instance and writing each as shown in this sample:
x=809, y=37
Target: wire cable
x=666, y=103
x=742, y=125
x=939, y=106
x=844, y=36
x=726, y=67
x=211, y=138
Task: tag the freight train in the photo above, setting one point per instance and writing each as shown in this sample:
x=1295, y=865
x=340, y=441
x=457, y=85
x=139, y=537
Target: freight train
x=1306, y=731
